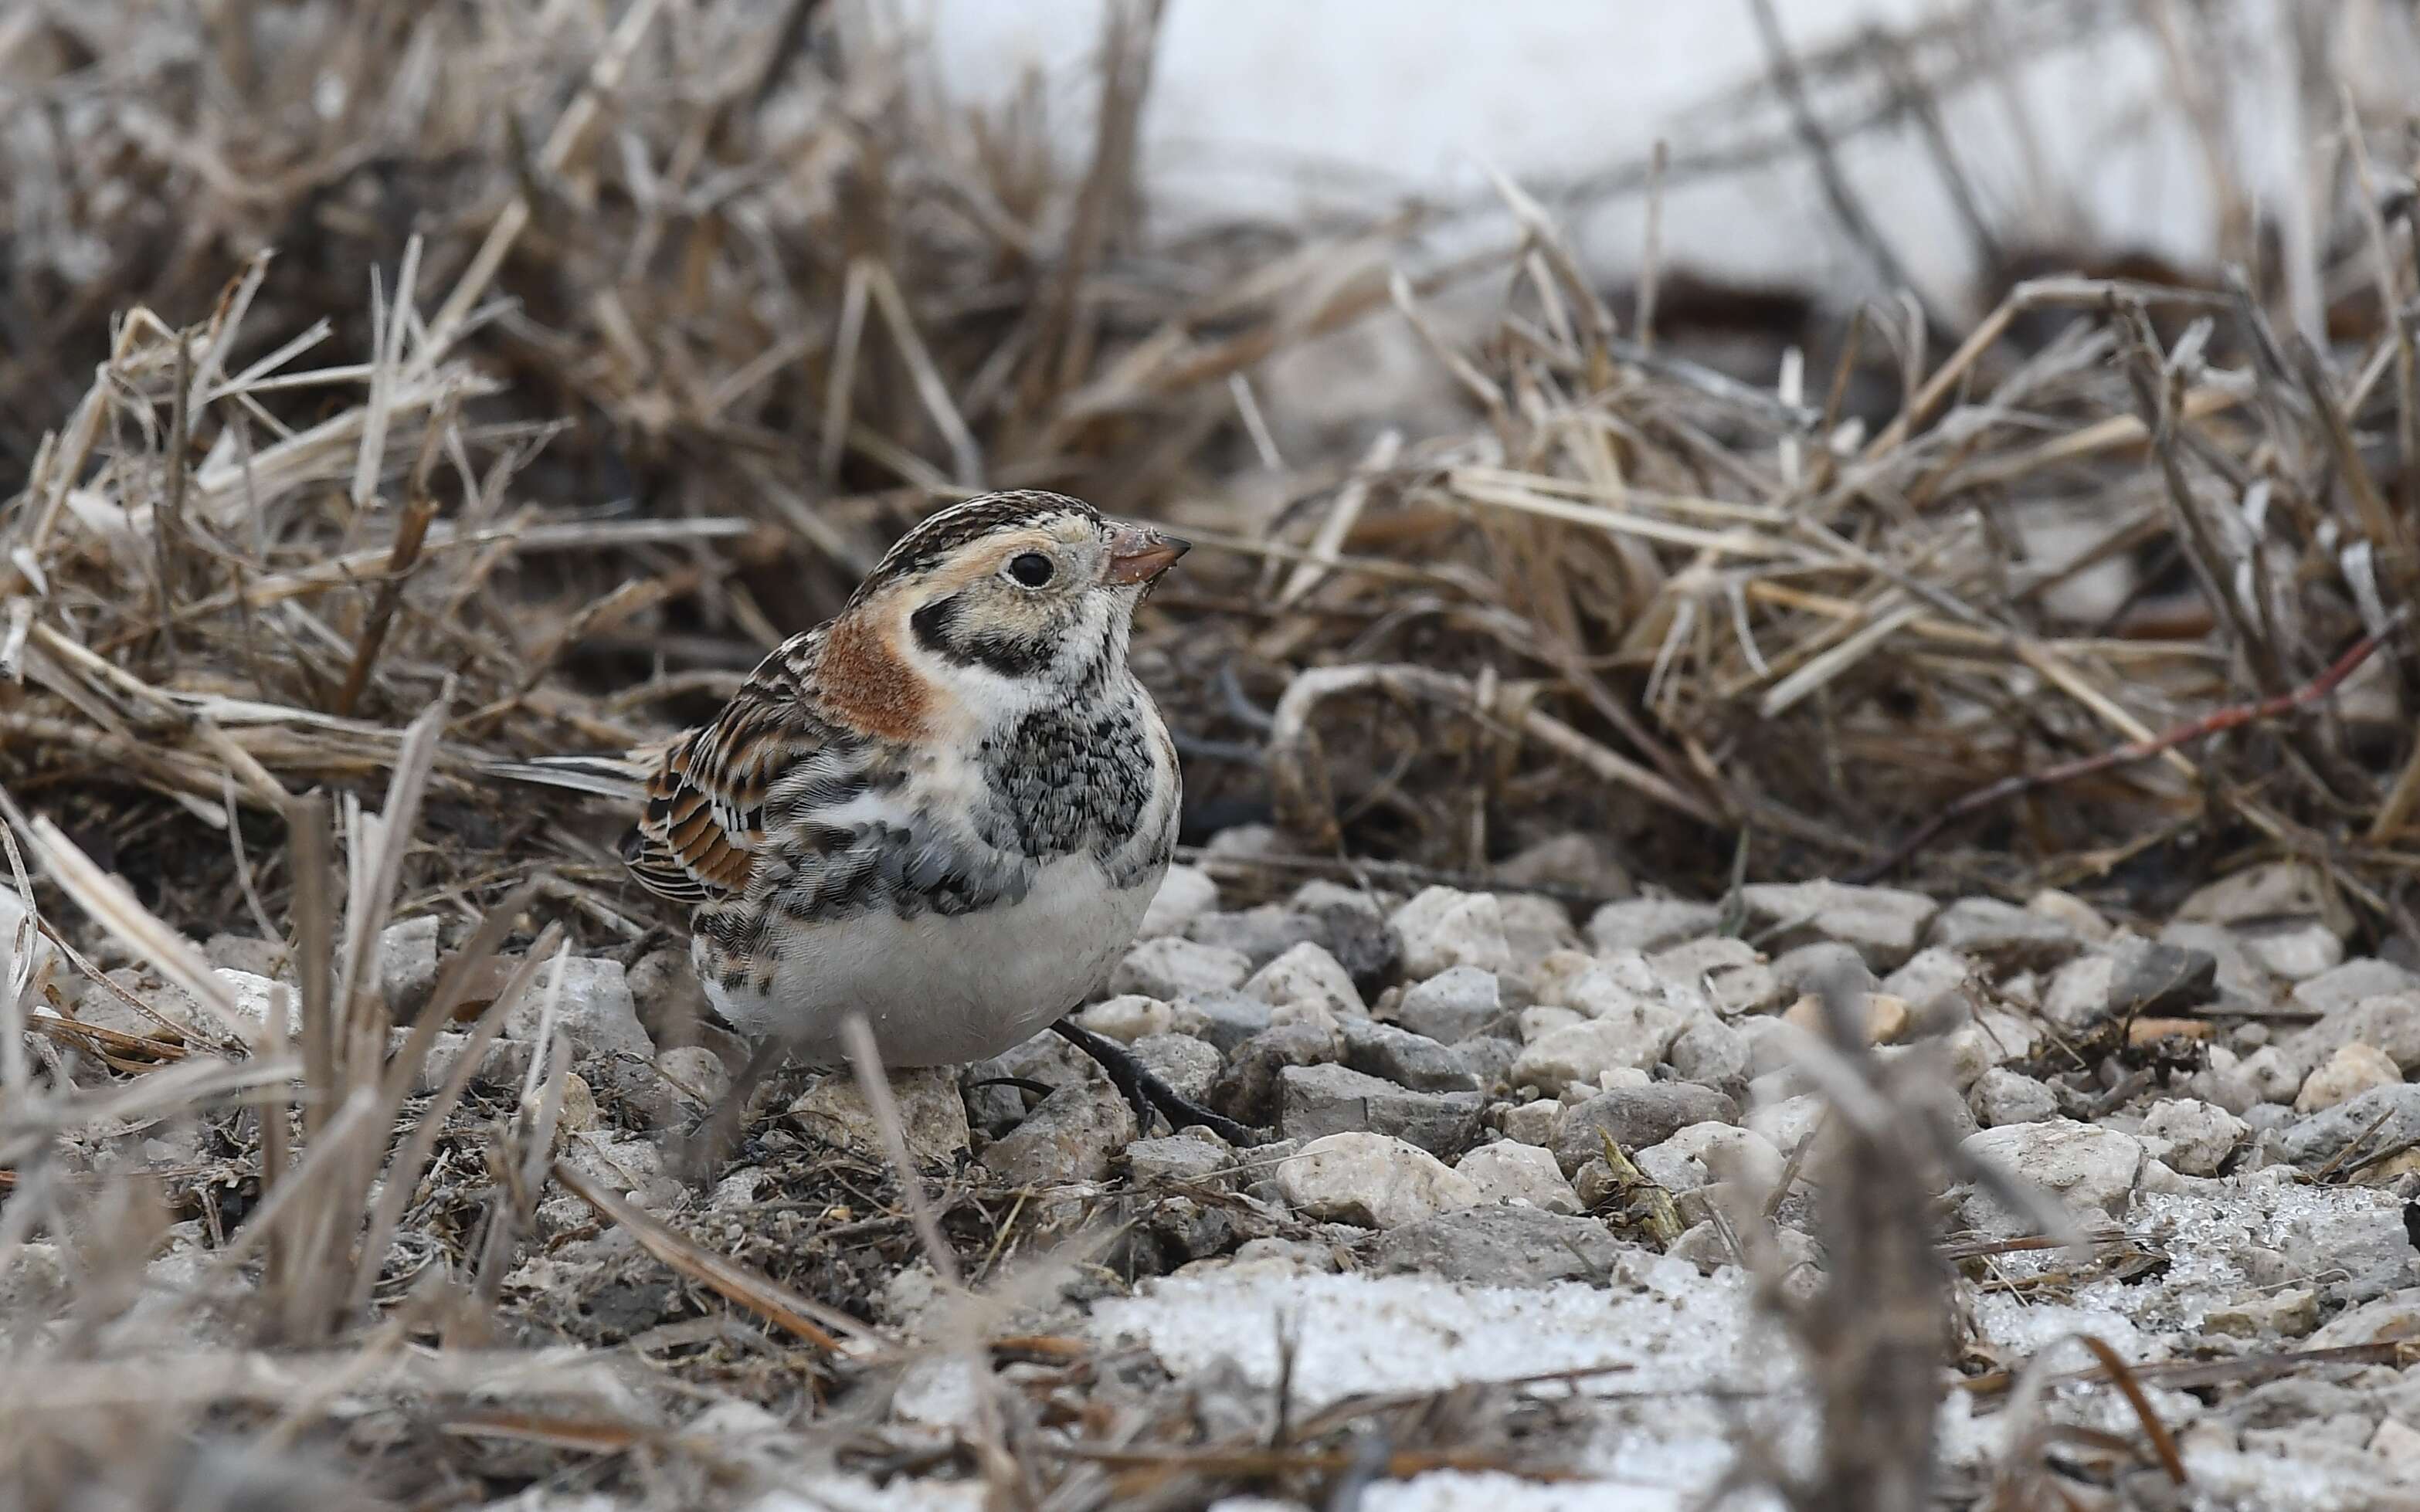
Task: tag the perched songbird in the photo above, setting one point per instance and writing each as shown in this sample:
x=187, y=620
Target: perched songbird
x=945, y=810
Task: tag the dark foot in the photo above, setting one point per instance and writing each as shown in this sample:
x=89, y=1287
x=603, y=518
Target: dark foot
x=1145, y=1092
x=1023, y=1084
x=710, y=1144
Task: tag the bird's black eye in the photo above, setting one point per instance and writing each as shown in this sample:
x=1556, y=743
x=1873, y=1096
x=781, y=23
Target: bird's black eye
x=1032, y=568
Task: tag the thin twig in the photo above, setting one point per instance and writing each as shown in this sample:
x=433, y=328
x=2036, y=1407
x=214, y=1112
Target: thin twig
x=2216, y=722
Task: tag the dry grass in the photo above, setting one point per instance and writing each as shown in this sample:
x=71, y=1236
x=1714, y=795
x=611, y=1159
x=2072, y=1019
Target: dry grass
x=597, y=352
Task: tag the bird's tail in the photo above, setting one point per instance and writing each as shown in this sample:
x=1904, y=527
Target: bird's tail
x=605, y=777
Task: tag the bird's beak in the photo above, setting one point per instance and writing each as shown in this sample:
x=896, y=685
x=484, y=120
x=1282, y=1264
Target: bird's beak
x=1139, y=554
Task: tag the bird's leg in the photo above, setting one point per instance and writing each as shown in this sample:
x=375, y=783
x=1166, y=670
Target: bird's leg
x=703, y=1153
x=1146, y=1092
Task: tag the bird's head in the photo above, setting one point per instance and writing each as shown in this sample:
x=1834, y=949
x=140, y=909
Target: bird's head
x=1014, y=599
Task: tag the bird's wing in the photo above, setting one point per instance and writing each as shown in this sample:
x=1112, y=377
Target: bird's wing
x=604, y=777
x=704, y=819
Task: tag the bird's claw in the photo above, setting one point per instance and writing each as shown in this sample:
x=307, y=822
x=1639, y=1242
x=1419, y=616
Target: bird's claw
x=1146, y=1094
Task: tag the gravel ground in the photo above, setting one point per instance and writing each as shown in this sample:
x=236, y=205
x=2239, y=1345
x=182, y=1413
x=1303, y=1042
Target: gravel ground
x=2219, y=1101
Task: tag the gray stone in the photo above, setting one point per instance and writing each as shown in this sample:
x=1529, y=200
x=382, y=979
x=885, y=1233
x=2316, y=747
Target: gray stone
x=633, y=1167
x=236, y=952
x=1318, y=1100
x=1358, y=932
x=1246, y=843
x=2003, y=936
x=1510, y=1171
x=408, y=963
x=1669, y=1166
x=1574, y=860
x=2272, y=891
x=2354, y=1068
x=1646, y=924
x=1742, y=1159
x=2156, y=978
x=700, y=1081
x=2398, y=1444
x=1194, y=1158
x=1489, y=1060
x=2287, y=1314
x=2269, y=1118
x=578, y=1112
x=1708, y=1245
x=2072, y=995
x=41, y=1279
x=1712, y=1053
x=2361, y=1253
x=1948, y=1102
x=1802, y=969
x=505, y=1062
x=2085, y=1165
x=2383, y=1319
x=2078, y=995
x=671, y=1003
x=932, y=1117
x=2192, y=1136
x=1372, y=1180
x=1258, y=1171
x=1711, y=1247
x=1306, y=973
x=1442, y=928
x=2087, y=921
x=1127, y=1017
x=2275, y=1076
x=1301, y=1257
x=2389, y=1022
x=1225, y=1019
x=2223, y=1083
x=1937, y=984
x=595, y=1010
x=1405, y=1059
x=1189, y=1066
x=1322, y=896
x=1718, y=973
x=1993, y=1038
x=1074, y=1135
x=1598, y=1186
x=1601, y=986
x=1248, y=1090
x=1186, y=893
x=1451, y=1006
x=2296, y=953
x=103, y=1009
x=1637, y=1116
x=1171, y=968
x=2347, y=984
x=1045, y=1059
x=1531, y=1123
x=1500, y=1246
x=1788, y=1123
x=1534, y=928
x=2240, y=978
x=1535, y=1023
x=1884, y=924
x=1580, y=1053
x=1261, y=933
x=1550, y=977
x=638, y=1094
x=2001, y=1097
x=1186, y=1229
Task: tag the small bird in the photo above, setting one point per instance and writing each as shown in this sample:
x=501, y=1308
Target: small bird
x=946, y=808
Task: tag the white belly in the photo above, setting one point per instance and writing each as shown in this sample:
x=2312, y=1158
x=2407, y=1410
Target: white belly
x=942, y=990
